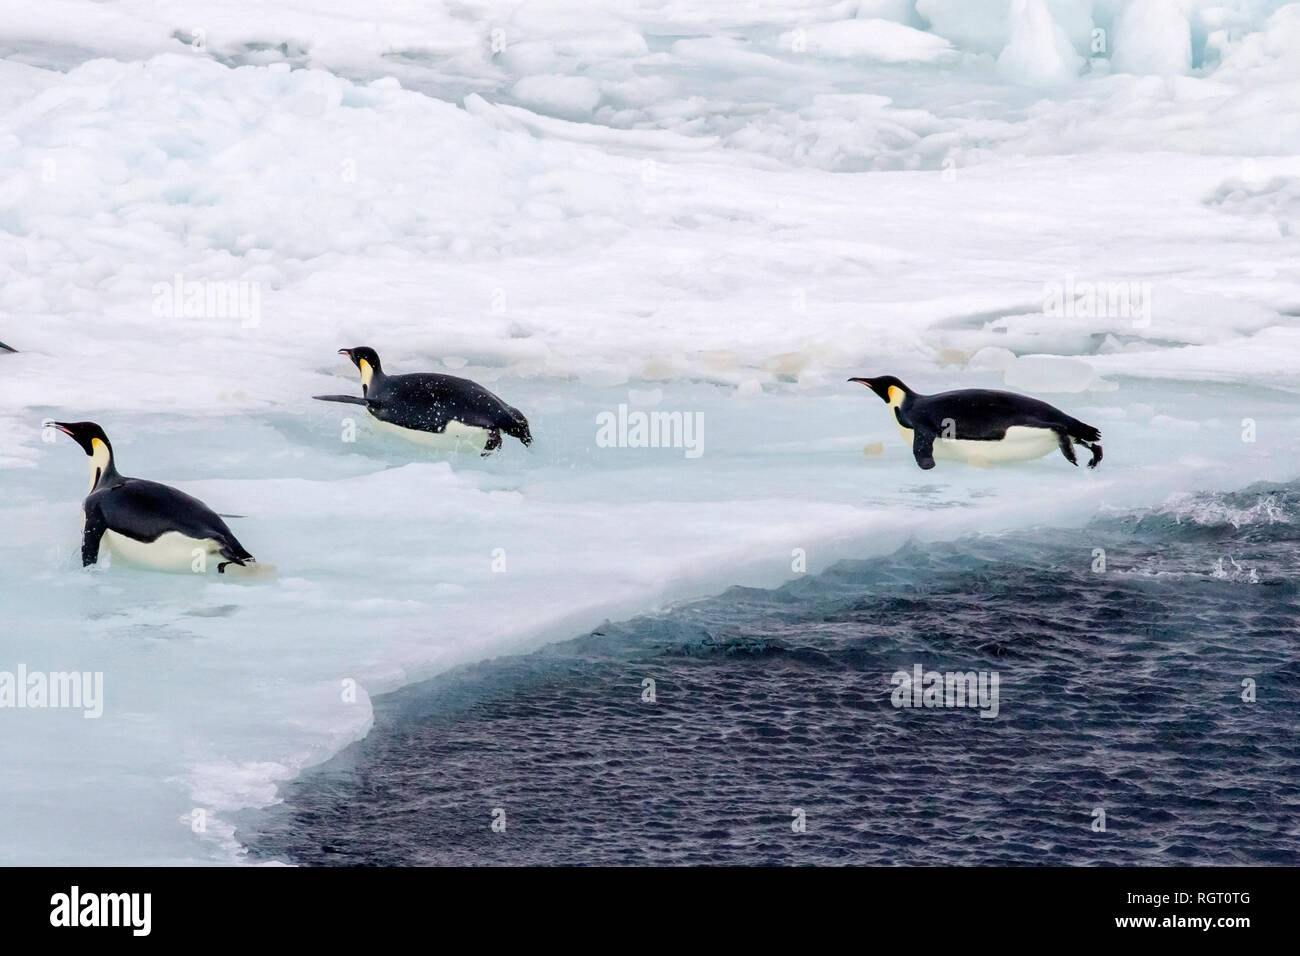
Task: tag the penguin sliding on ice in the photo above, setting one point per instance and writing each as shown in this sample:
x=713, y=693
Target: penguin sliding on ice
x=439, y=410
x=143, y=522
x=981, y=426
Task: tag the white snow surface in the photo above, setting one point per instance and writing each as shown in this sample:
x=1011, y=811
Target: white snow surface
x=702, y=207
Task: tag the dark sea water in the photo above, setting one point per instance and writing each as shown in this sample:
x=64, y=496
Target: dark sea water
x=1120, y=690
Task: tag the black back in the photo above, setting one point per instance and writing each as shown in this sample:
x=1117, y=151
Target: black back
x=981, y=414
x=427, y=401
x=146, y=510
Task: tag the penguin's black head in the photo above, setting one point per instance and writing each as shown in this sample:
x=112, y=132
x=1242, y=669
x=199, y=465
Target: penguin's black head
x=882, y=385
x=362, y=354
x=84, y=434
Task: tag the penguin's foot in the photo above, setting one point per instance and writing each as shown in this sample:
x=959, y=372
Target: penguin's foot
x=1095, y=448
x=925, y=463
x=493, y=443
x=251, y=570
x=1067, y=448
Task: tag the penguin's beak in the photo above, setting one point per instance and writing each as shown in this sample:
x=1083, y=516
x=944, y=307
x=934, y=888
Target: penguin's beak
x=61, y=427
x=7, y=348
x=872, y=384
x=347, y=352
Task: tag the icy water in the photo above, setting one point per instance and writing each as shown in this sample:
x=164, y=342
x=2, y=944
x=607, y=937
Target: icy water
x=1120, y=690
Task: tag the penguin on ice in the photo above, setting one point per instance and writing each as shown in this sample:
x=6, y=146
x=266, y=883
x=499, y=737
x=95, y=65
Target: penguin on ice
x=981, y=426
x=143, y=522
x=439, y=410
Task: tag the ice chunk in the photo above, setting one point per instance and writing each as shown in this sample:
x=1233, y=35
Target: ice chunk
x=1039, y=52
x=568, y=97
x=980, y=25
x=987, y=26
x=1152, y=36
x=530, y=56
x=876, y=39
x=1049, y=373
x=900, y=11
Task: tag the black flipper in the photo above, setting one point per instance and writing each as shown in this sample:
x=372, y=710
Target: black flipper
x=923, y=448
x=349, y=399
x=92, y=535
x=1067, y=448
x=493, y=442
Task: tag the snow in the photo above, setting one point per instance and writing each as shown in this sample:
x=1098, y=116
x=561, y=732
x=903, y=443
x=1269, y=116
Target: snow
x=669, y=206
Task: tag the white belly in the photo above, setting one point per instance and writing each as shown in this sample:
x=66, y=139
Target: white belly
x=456, y=437
x=172, y=551
x=1020, y=444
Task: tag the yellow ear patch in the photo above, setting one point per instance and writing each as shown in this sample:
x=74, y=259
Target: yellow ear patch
x=96, y=444
x=367, y=373
x=895, y=395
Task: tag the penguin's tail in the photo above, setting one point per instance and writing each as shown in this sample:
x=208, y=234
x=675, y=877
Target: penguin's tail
x=1081, y=432
x=243, y=560
x=234, y=553
x=517, y=426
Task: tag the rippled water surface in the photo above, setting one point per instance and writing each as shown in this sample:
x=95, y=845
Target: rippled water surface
x=1120, y=690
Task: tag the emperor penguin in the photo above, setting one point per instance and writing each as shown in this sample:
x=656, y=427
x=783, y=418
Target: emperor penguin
x=438, y=410
x=981, y=426
x=143, y=522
